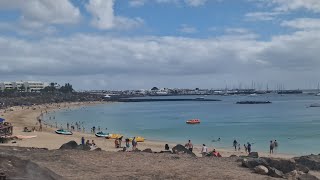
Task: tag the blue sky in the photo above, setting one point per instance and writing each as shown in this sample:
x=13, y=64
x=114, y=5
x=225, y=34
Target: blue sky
x=135, y=44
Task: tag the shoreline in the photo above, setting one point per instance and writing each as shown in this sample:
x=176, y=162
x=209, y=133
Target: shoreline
x=47, y=138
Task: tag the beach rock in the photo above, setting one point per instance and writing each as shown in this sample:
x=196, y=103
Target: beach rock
x=169, y=152
x=302, y=168
x=253, y=155
x=311, y=161
x=307, y=177
x=148, y=150
x=16, y=168
x=83, y=147
x=292, y=175
x=98, y=149
x=179, y=149
x=253, y=162
x=273, y=172
x=69, y=145
x=283, y=165
x=261, y=170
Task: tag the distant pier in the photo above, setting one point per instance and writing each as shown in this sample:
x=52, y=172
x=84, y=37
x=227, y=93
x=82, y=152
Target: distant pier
x=163, y=100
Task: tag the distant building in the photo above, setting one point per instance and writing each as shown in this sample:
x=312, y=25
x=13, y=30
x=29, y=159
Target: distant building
x=29, y=86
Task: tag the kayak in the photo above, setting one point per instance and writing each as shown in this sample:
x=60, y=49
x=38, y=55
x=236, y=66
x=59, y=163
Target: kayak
x=102, y=134
x=63, y=132
x=193, y=121
x=138, y=139
x=114, y=136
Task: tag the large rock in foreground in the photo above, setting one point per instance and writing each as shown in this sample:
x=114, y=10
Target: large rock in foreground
x=179, y=149
x=261, y=170
x=253, y=162
x=69, y=145
x=16, y=168
x=311, y=161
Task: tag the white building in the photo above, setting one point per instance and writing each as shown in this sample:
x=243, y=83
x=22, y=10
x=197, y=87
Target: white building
x=29, y=86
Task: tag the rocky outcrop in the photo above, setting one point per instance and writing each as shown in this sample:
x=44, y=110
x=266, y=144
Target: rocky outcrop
x=16, y=168
x=307, y=177
x=311, y=161
x=253, y=155
x=273, y=172
x=69, y=145
x=261, y=170
x=148, y=150
x=253, y=162
x=73, y=145
x=179, y=149
x=283, y=165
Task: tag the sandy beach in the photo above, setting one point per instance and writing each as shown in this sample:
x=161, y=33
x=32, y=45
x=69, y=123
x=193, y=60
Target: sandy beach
x=27, y=117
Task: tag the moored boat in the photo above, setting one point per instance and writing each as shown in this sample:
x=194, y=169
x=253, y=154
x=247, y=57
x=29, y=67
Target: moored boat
x=63, y=132
x=315, y=105
x=193, y=121
x=101, y=134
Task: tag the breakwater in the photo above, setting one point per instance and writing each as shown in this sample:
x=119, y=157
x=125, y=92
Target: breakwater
x=163, y=100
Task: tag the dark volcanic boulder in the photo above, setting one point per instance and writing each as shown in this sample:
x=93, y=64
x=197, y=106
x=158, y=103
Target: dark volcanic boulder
x=273, y=172
x=307, y=177
x=84, y=147
x=16, y=168
x=311, y=161
x=253, y=155
x=69, y=145
x=179, y=149
x=253, y=162
x=148, y=150
x=283, y=165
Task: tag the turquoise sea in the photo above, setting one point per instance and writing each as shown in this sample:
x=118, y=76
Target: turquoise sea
x=288, y=120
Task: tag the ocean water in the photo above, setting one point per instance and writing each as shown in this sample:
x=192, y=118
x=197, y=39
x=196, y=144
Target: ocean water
x=288, y=120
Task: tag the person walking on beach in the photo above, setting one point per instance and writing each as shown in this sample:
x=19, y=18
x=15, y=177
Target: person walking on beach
x=271, y=147
x=204, y=150
x=82, y=141
x=249, y=147
x=235, y=143
x=189, y=145
x=134, y=143
x=276, y=145
x=245, y=148
x=68, y=126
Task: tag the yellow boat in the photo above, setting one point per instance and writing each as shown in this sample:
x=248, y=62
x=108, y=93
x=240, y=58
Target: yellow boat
x=138, y=139
x=114, y=136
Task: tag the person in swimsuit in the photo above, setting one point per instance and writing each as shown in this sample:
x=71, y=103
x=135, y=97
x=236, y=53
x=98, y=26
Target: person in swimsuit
x=271, y=147
x=189, y=145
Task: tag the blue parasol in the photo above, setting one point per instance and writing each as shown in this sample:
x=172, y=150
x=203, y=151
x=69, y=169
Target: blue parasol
x=1, y=120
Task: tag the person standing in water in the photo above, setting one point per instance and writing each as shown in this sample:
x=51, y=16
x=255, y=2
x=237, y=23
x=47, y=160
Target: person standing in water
x=276, y=145
x=235, y=144
x=249, y=147
x=271, y=147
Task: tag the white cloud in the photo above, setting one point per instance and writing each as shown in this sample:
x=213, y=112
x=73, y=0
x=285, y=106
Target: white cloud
x=103, y=17
x=44, y=11
x=184, y=28
x=237, y=30
x=287, y=5
x=194, y=3
x=139, y=62
x=137, y=3
x=261, y=16
x=302, y=23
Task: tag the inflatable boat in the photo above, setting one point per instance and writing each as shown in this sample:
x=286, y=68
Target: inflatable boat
x=193, y=121
x=138, y=139
x=114, y=136
x=102, y=134
x=63, y=132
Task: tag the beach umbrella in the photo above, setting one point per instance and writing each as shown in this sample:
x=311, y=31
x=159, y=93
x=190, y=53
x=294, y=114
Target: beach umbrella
x=1, y=120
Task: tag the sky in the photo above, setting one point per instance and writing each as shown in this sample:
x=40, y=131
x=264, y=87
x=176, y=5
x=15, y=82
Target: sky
x=139, y=44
